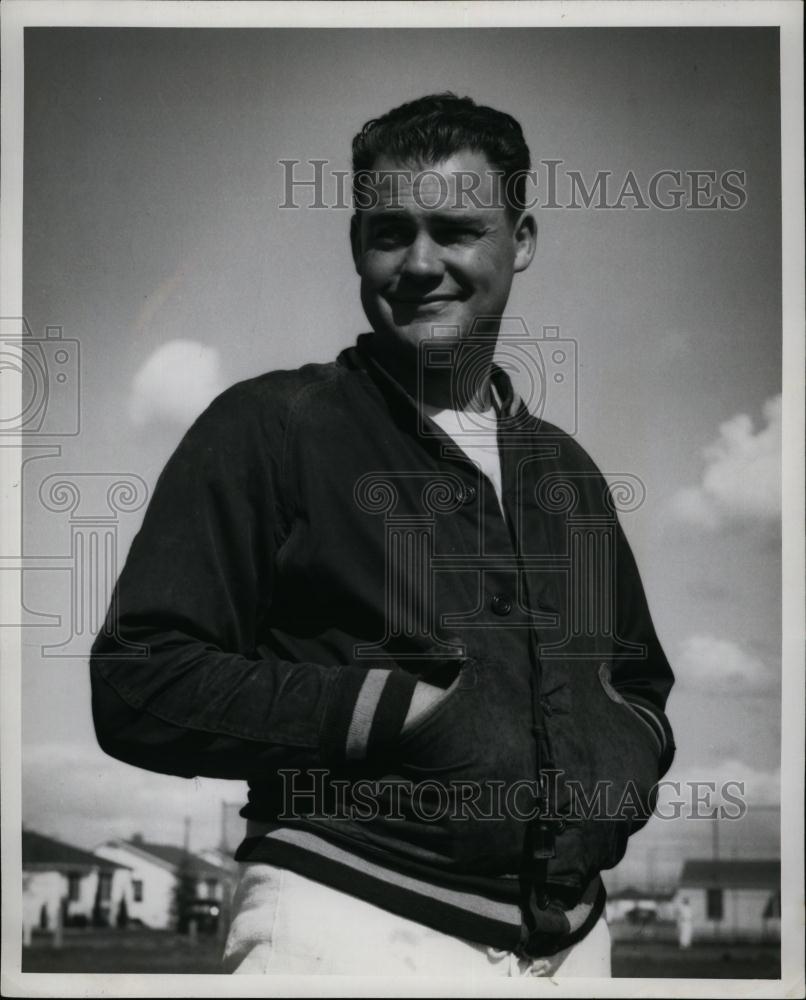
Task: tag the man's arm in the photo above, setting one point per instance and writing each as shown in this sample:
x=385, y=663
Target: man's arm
x=200, y=573
x=644, y=682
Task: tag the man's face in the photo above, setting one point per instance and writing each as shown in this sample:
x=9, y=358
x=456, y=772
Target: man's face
x=428, y=256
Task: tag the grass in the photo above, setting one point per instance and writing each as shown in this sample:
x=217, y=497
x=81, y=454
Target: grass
x=659, y=960
x=132, y=951
x=161, y=952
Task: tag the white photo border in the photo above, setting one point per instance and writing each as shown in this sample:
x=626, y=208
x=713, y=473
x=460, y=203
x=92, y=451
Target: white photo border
x=18, y=14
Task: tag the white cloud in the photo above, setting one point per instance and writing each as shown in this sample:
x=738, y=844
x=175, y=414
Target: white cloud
x=742, y=477
x=761, y=786
x=720, y=665
x=80, y=795
x=175, y=383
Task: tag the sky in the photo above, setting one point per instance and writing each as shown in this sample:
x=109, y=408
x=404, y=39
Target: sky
x=154, y=239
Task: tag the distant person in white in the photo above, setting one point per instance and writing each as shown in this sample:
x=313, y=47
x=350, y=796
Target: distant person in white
x=685, y=923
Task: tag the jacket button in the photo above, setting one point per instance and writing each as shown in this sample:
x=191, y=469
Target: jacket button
x=467, y=494
x=542, y=900
x=501, y=605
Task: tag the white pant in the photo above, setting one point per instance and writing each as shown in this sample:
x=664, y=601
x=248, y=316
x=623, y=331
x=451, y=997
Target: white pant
x=286, y=924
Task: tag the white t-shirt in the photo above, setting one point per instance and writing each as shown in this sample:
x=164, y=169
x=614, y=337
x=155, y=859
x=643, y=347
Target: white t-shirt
x=476, y=433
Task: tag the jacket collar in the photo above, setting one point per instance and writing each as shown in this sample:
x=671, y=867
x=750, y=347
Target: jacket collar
x=508, y=403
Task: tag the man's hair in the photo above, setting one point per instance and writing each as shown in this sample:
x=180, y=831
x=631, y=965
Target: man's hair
x=436, y=127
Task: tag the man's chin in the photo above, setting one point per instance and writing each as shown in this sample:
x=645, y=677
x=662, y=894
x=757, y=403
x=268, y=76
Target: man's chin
x=426, y=329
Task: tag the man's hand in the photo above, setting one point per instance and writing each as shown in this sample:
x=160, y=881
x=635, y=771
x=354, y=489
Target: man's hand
x=425, y=697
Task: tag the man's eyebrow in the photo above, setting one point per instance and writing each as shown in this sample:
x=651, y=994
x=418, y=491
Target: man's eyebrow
x=383, y=214
x=457, y=217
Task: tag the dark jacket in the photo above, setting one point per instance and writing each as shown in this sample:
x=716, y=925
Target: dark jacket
x=315, y=545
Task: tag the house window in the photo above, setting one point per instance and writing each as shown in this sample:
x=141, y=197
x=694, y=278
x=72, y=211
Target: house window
x=212, y=888
x=137, y=890
x=714, y=904
x=73, y=887
x=105, y=887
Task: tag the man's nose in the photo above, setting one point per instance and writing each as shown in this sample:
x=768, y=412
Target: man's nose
x=423, y=258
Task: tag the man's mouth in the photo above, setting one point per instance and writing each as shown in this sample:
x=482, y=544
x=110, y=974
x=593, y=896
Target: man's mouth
x=420, y=300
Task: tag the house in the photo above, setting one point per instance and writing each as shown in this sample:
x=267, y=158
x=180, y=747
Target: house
x=732, y=899
x=64, y=884
x=632, y=903
x=220, y=858
x=159, y=872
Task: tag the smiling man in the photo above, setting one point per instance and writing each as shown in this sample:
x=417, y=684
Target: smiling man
x=360, y=586
x=429, y=252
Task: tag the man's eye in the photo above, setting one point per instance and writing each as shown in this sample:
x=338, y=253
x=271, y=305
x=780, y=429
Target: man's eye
x=389, y=235
x=459, y=234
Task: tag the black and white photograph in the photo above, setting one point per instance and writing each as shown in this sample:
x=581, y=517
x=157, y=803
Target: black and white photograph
x=402, y=476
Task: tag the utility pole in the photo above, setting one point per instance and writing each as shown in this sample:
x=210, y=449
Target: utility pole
x=185, y=888
x=717, y=878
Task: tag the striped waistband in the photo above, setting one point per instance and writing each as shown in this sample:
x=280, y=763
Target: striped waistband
x=462, y=913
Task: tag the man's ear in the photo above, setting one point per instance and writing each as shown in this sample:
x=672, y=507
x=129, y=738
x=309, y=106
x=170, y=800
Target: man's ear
x=525, y=237
x=355, y=240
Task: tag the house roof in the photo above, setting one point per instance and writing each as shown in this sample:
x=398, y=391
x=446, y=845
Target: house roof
x=173, y=856
x=731, y=874
x=632, y=893
x=39, y=851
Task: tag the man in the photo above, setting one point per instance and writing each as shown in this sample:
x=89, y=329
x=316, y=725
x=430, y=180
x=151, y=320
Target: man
x=402, y=608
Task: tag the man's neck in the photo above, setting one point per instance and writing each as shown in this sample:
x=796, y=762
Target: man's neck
x=443, y=391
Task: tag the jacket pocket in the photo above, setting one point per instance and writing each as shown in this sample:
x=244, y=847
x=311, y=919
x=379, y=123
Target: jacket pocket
x=607, y=758
x=465, y=679
x=455, y=765
x=614, y=695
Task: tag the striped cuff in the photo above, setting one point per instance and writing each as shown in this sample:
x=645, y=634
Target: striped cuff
x=657, y=724
x=366, y=711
